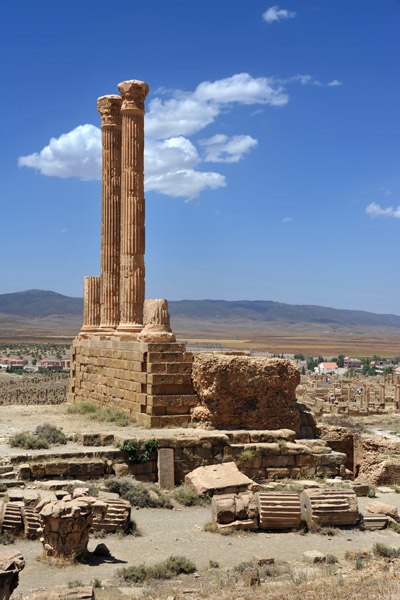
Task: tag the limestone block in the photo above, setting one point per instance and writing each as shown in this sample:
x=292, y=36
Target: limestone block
x=166, y=468
x=215, y=479
x=122, y=469
x=11, y=563
x=76, y=593
x=335, y=506
x=381, y=508
x=247, y=392
x=156, y=322
x=24, y=471
x=278, y=510
x=314, y=556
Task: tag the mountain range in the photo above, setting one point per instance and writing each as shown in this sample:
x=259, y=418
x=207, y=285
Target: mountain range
x=41, y=313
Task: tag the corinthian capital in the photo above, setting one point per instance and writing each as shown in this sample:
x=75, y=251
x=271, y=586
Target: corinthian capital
x=133, y=94
x=109, y=108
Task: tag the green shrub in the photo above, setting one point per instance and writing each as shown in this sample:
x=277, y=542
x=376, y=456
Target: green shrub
x=331, y=559
x=371, y=491
x=140, y=453
x=245, y=456
x=3, y=487
x=243, y=566
x=137, y=493
x=96, y=583
x=190, y=498
x=328, y=531
x=6, y=538
x=213, y=564
x=75, y=583
x=52, y=434
x=385, y=551
x=83, y=408
x=27, y=441
x=282, y=444
x=171, y=567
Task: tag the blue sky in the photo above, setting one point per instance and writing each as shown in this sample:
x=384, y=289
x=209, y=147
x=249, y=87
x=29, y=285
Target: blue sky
x=272, y=156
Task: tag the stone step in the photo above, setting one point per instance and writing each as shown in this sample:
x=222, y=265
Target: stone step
x=13, y=482
x=8, y=474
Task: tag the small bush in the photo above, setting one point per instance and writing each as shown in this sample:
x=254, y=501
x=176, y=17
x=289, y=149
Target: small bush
x=96, y=583
x=282, y=444
x=331, y=559
x=52, y=434
x=138, y=494
x=6, y=538
x=359, y=563
x=75, y=583
x=245, y=456
x=3, y=487
x=328, y=531
x=190, y=498
x=371, y=491
x=213, y=564
x=169, y=568
x=27, y=441
x=210, y=527
x=385, y=551
x=241, y=567
x=140, y=453
x=83, y=408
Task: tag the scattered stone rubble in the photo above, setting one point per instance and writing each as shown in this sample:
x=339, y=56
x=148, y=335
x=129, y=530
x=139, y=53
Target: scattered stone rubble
x=10, y=566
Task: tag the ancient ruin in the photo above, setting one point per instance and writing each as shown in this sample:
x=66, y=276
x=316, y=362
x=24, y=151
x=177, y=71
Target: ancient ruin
x=11, y=563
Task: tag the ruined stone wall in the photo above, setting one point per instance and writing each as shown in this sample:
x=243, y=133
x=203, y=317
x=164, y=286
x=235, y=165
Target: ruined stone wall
x=41, y=390
x=244, y=391
x=149, y=381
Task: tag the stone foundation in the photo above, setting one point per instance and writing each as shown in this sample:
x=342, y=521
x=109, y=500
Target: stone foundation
x=149, y=381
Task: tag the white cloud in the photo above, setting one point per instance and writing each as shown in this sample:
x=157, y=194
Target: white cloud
x=375, y=210
x=308, y=80
x=244, y=89
x=287, y=220
x=221, y=148
x=186, y=183
x=171, y=159
x=334, y=83
x=74, y=154
x=274, y=13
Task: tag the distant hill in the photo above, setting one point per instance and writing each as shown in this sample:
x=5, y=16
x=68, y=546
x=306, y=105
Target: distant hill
x=40, y=313
x=260, y=311
x=36, y=304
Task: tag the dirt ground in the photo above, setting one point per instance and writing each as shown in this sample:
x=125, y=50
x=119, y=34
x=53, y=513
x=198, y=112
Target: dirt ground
x=180, y=532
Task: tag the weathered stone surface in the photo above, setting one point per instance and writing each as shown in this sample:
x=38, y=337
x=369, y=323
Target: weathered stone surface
x=227, y=508
x=278, y=510
x=11, y=563
x=246, y=392
x=66, y=525
x=217, y=479
x=76, y=593
x=166, y=469
x=10, y=517
x=381, y=508
x=156, y=322
x=329, y=507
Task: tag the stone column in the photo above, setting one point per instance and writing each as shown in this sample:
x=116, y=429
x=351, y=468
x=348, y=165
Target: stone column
x=91, y=304
x=109, y=108
x=133, y=95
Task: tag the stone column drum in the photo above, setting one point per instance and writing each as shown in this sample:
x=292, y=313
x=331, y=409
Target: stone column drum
x=91, y=304
x=109, y=108
x=132, y=272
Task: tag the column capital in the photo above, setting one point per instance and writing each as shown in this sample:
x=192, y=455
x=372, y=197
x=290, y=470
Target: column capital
x=109, y=108
x=133, y=94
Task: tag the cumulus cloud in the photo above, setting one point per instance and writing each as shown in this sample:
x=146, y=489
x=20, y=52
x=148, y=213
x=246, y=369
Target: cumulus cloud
x=171, y=159
x=275, y=14
x=74, y=154
x=375, y=210
x=221, y=148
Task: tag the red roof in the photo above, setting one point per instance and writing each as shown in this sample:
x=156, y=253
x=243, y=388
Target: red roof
x=328, y=365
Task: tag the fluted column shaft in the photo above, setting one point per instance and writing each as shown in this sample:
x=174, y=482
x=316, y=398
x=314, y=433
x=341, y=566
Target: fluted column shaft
x=109, y=108
x=91, y=303
x=132, y=270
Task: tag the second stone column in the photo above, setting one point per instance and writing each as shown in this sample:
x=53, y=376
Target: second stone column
x=132, y=270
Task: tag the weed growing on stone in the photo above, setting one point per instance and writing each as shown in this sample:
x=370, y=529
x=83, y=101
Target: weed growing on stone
x=140, y=453
x=3, y=487
x=169, y=568
x=190, y=498
x=282, y=444
x=394, y=526
x=245, y=456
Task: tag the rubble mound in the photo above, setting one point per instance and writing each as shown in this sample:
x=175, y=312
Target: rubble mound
x=246, y=392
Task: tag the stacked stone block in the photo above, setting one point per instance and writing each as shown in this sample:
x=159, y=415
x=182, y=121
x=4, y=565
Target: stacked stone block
x=149, y=381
